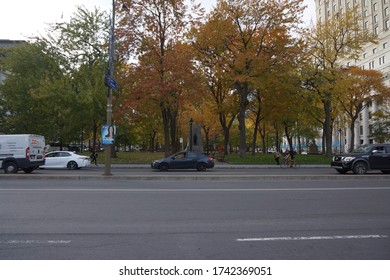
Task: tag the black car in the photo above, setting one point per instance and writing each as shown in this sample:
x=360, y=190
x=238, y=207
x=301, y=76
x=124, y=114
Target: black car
x=184, y=160
x=364, y=158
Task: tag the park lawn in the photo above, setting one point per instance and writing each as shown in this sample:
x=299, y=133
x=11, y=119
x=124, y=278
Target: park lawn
x=269, y=159
x=234, y=158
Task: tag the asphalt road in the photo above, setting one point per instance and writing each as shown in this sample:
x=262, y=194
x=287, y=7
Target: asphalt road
x=299, y=218
x=219, y=172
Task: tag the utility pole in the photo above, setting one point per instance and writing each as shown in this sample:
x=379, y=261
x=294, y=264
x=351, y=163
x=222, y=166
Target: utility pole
x=111, y=65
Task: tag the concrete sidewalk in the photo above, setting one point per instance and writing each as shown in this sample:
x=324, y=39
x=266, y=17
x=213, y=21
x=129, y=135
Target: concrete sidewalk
x=218, y=165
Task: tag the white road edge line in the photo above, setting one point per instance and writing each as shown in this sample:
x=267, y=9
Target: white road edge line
x=336, y=237
x=35, y=241
x=198, y=190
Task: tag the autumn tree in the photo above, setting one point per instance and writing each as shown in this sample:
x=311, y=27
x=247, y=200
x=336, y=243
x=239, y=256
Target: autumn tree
x=211, y=56
x=251, y=22
x=278, y=85
x=136, y=110
x=153, y=31
x=331, y=42
x=356, y=88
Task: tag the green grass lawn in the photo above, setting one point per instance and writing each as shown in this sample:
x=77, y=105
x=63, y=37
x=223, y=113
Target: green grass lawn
x=269, y=159
x=147, y=157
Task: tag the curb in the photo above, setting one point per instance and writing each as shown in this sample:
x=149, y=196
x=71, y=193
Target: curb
x=202, y=177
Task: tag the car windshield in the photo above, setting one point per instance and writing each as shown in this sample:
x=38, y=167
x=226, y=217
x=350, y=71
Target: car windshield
x=362, y=149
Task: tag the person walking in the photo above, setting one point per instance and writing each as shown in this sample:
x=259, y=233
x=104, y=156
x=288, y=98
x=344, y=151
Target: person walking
x=277, y=157
x=93, y=157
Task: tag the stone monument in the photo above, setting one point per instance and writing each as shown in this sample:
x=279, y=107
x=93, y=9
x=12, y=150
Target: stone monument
x=196, y=137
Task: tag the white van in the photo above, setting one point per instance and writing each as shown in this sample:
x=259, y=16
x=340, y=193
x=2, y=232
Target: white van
x=21, y=152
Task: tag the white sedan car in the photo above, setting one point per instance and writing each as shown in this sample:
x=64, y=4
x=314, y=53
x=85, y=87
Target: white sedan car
x=65, y=159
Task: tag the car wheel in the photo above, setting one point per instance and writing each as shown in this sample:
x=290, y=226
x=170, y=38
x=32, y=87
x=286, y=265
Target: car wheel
x=360, y=168
x=72, y=165
x=164, y=166
x=342, y=171
x=201, y=166
x=10, y=167
x=28, y=170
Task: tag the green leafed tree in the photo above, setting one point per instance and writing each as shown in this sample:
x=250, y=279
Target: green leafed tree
x=29, y=67
x=82, y=44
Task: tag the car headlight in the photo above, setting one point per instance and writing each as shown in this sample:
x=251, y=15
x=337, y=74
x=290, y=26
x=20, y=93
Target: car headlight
x=348, y=159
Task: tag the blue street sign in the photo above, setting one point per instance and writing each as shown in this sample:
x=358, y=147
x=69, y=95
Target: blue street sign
x=111, y=83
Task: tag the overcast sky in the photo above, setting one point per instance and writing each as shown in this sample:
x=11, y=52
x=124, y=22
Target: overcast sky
x=24, y=18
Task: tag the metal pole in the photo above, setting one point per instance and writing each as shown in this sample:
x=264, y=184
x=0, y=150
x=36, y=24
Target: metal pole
x=107, y=169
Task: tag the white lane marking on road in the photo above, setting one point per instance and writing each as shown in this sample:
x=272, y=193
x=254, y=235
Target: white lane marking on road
x=35, y=241
x=200, y=190
x=336, y=237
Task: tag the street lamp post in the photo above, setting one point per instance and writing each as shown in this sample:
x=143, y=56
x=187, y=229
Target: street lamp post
x=111, y=62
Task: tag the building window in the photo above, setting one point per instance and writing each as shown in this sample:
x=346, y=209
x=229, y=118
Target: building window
x=375, y=7
x=385, y=45
x=387, y=24
x=375, y=18
x=371, y=65
x=361, y=130
x=386, y=11
x=374, y=50
x=365, y=55
x=376, y=30
x=382, y=60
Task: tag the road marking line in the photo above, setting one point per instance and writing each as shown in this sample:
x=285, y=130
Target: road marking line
x=202, y=190
x=336, y=237
x=35, y=241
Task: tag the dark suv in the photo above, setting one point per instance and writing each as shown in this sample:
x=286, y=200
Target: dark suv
x=364, y=158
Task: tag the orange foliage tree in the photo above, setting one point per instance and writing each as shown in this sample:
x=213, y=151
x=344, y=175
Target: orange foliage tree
x=355, y=89
x=151, y=32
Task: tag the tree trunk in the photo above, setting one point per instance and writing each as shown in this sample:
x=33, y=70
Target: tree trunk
x=173, y=121
x=328, y=127
x=243, y=92
x=262, y=132
x=288, y=136
x=352, y=128
x=277, y=138
x=167, y=144
x=255, y=130
x=226, y=131
x=207, y=136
